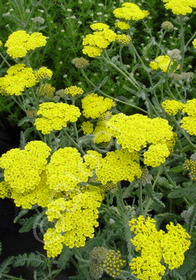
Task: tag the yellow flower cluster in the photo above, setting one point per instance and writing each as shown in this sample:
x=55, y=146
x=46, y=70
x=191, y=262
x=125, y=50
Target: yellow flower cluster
x=137, y=131
x=172, y=107
x=123, y=39
x=190, y=165
x=103, y=259
x=101, y=133
x=64, y=171
x=155, y=245
x=95, y=106
x=113, y=263
x=130, y=11
x=54, y=116
x=20, y=42
x=43, y=73
x=189, y=123
x=175, y=243
x=194, y=43
x=180, y=7
x=117, y=166
x=122, y=25
x=46, y=90
x=1, y=43
x=156, y=155
x=91, y=162
x=76, y=216
x=18, y=78
x=74, y=90
x=87, y=127
x=24, y=174
x=164, y=63
x=99, y=40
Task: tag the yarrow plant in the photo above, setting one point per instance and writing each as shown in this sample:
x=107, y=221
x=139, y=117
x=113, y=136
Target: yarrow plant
x=106, y=168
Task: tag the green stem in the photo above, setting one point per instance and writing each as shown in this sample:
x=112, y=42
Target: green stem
x=5, y=60
x=19, y=103
x=153, y=186
x=192, y=37
x=140, y=199
x=11, y=277
x=105, y=94
x=128, y=77
x=182, y=44
x=74, y=143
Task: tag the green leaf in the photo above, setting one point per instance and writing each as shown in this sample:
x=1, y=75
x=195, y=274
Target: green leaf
x=177, y=169
x=32, y=259
x=183, y=192
x=22, y=213
x=4, y=266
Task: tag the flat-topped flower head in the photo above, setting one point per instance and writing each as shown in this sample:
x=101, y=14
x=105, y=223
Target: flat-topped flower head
x=20, y=42
x=172, y=107
x=55, y=116
x=189, y=122
x=130, y=11
x=18, y=78
x=165, y=63
x=95, y=106
x=73, y=90
x=180, y=7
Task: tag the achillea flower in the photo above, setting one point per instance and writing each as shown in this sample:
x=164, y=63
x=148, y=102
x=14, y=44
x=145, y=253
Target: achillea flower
x=155, y=245
x=99, y=26
x=136, y=131
x=87, y=127
x=167, y=25
x=190, y=165
x=55, y=116
x=23, y=168
x=190, y=107
x=74, y=90
x=117, y=166
x=175, y=243
x=147, y=268
x=18, y=78
x=46, y=90
x=163, y=62
x=101, y=133
x=113, y=263
x=43, y=73
x=95, y=106
x=96, y=42
x=91, y=163
x=130, y=11
x=1, y=43
x=123, y=39
x=92, y=51
x=172, y=107
x=76, y=217
x=182, y=7
x=122, y=25
x=36, y=40
x=20, y=42
x=103, y=259
x=189, y=123
x=80, y=62
x=64, y=171
x=156, y=155
x=194, y=43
